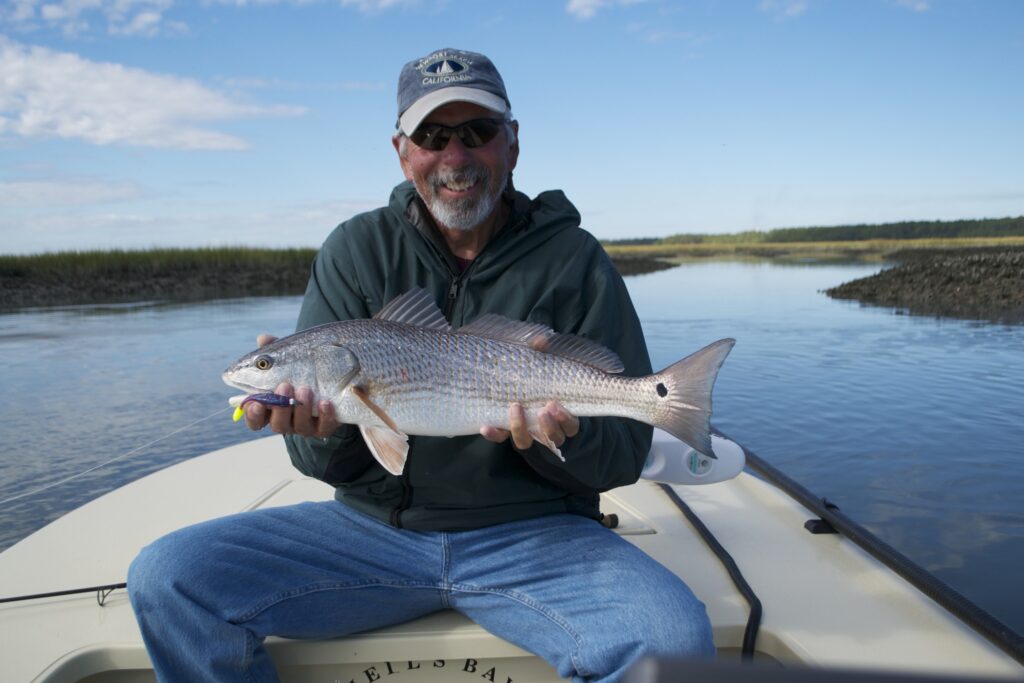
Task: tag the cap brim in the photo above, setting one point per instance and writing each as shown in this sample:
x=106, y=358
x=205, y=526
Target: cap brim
x=411, y=119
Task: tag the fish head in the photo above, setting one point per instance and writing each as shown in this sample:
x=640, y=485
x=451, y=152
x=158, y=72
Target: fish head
x=298, y=360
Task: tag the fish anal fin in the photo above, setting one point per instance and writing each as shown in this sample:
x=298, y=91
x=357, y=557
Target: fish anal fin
x=543, y=339
x=542, y=438
x=388, y=447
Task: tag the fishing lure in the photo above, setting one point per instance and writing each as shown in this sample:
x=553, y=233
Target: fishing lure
x=271, y=399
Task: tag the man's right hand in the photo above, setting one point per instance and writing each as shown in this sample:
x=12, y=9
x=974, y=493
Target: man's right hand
x=297, y=419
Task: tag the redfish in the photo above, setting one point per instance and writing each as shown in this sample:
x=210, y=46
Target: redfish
x=406, y=371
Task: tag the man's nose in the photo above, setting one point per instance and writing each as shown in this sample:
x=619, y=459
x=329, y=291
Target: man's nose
x=455, y=150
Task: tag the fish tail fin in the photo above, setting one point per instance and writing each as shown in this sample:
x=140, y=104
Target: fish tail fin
x=684, y=395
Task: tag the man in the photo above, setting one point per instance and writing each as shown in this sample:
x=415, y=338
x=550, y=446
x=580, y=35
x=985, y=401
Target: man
x=493, y=526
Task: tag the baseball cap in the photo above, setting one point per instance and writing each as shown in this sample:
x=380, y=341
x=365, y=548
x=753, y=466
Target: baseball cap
x=448, y=75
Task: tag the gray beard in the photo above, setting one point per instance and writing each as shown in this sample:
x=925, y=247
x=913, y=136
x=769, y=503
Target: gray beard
x=462, y=214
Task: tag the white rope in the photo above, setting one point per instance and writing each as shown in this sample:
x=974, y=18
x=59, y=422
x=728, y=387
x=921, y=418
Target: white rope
x=112, y=460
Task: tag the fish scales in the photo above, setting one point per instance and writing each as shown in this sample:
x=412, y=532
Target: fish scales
x=410, y=372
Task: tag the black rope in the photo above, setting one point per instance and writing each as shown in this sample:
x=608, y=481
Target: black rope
x=959, y=606
x=102, y=592
x=754, y=618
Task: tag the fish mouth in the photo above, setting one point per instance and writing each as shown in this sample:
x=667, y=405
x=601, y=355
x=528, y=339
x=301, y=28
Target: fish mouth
x=247, y=388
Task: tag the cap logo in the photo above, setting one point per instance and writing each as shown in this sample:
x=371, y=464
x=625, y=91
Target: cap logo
x=444, y=68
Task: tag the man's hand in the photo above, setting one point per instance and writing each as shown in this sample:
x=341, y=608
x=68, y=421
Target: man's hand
x=296, y=419
x=557, y=423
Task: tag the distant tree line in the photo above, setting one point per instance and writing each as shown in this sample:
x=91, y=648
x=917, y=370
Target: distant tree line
x=986, y=227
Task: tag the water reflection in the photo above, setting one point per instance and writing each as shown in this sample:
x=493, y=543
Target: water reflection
x=911, y=425
x=96, y=382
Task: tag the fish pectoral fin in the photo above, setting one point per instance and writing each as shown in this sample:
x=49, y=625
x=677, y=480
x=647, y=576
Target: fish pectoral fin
x=363, y=395
x=387, y=443
x=542, y=438
x=389, y=447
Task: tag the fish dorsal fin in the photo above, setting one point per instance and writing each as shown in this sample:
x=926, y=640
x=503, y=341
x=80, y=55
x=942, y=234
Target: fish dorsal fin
x=542, y=338
x=415, y=307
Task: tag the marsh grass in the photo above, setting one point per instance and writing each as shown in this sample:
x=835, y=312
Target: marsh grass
x=863, y=250
x=89, y=277
x=69, y=278
x=143, y=263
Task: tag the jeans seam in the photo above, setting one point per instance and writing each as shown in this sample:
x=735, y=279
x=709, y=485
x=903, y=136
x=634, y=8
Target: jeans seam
x=548, y=614
x=273, y=600
x=446, y=561
x=250, y=649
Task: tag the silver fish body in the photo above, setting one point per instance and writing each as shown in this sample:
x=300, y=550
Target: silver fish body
x=407, y=372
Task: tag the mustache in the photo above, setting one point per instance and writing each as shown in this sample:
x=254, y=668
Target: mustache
x=464, y=175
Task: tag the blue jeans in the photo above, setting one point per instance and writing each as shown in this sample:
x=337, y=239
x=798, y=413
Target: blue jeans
x=561, y=586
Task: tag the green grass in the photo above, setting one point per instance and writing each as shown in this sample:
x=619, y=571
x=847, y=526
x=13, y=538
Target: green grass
x=867, y=250
x=140, y=264
x=1010, y=226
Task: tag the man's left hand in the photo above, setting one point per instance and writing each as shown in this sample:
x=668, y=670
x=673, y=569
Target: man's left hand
x=557, y=423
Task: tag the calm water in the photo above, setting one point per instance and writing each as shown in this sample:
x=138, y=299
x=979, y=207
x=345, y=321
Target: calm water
x=912, y=425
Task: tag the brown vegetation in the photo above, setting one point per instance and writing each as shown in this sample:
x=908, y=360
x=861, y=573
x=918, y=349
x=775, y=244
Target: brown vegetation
x=978, y=284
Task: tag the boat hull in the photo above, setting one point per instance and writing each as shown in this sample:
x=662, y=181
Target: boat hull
x=826, y=602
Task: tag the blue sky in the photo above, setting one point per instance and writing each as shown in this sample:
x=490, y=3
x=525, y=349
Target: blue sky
x=140, y=123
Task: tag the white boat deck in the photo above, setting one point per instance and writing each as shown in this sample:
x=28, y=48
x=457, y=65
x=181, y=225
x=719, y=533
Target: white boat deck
x=825, y=601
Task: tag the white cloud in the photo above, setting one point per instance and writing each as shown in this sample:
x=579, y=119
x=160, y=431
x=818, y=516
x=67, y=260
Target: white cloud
x=34, y=193
x=74, y=17
x=916, y=5
x=661, y=33
x=585, y=9
x=140, y=17
x=361, y=5
x=277, y=227
x=784, y=9
x=376, y=5
x=44, y=93
x=20, y=11
x=316, y=86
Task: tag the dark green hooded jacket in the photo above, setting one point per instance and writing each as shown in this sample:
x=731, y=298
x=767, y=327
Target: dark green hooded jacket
x=542, y=267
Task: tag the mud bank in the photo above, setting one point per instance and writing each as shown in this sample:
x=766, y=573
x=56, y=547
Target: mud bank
x=26, y=292
x=182, y=284
x=976, y=284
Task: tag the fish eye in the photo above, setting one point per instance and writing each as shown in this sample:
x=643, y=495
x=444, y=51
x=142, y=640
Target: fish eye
x=263, y=362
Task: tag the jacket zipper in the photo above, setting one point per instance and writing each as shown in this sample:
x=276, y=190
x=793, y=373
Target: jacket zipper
x=453, y=294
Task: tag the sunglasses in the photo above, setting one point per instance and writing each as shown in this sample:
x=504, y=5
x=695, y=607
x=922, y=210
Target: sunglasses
x=475, y=133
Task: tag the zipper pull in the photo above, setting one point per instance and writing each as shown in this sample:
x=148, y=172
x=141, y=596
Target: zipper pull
x=449, y=305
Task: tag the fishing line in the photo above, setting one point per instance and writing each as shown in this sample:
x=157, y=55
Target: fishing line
x=112, y=460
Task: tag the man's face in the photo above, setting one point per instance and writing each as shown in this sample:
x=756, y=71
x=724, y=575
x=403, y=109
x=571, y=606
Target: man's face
x=461, y=186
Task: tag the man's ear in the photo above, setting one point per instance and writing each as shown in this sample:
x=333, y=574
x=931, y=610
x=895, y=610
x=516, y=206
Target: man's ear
x=396, y=140
x=513, y=151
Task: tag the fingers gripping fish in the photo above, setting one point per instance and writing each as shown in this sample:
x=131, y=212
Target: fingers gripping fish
x=388, y=374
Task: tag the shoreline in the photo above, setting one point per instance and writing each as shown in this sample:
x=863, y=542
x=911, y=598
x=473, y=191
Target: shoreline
x=985, y=284
x=96, y=278
x=966, y=279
